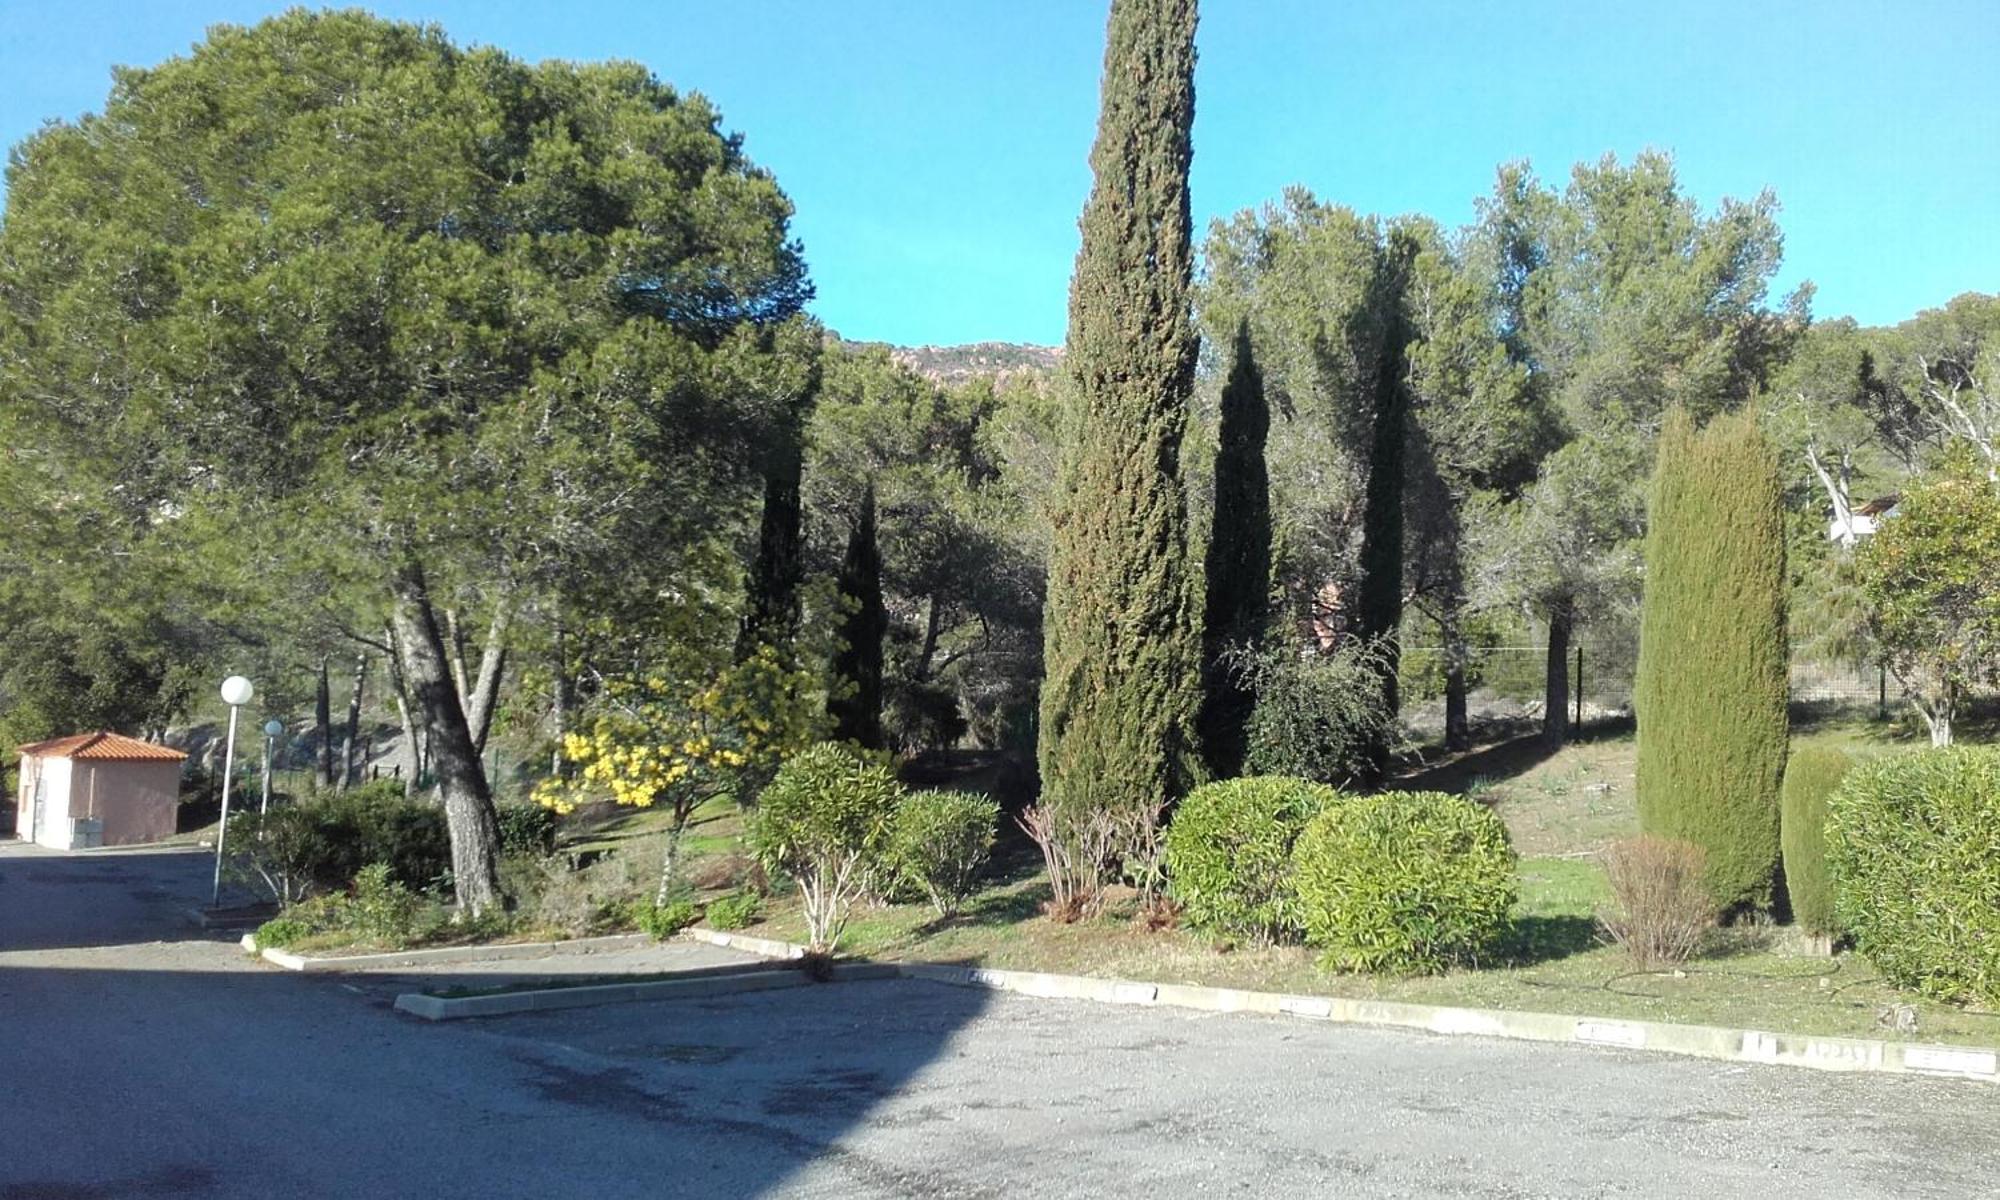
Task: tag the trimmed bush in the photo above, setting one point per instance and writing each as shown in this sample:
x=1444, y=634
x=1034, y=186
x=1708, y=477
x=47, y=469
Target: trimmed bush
x=1713, y=680
x=1913, y=849
x=1661, y=906
x=939, y=840
x=1229, y=853
x=734, y=911
x=321, y=845
x=1403, y=882
x=825, y=821
x=526, y=829
x=1810, y=779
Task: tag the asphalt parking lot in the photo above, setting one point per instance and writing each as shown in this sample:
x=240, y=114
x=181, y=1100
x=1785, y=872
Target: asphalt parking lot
x=140, y=1059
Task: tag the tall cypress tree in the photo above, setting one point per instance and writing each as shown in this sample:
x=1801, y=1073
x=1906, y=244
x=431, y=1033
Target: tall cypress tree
x=856, y=703
x=1122, y=639
x=1379, y=594
x=771, y=595
x=1713, y=662
x=1238, y=567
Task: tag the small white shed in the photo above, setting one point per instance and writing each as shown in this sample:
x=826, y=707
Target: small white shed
x=97, y=789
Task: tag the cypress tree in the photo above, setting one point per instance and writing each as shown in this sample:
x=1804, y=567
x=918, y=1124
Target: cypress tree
x=1379, y=594
x=771, y=595
x=1122, y=635
x=1712, y=688
x=1810, y=780
x=1238, y=567
x=856, y=704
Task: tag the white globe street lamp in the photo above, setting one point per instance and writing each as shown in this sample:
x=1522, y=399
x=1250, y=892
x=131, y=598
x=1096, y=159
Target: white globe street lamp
x=272, y=728
x=236, y=692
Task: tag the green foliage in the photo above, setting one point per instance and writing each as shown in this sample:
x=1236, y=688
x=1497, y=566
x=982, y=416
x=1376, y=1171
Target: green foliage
x=855, y=699
x=1913, y=848
x=956, y=538
x=825, y=821
x=662, y=921
x=281, y=932
x=1713, y=678
x=1317, y=716
x=527, y=829
x=1927, y=579
x=1378, y=606
x=322, y=844
x=1404, y=882
x=1123, y=637
x=1238, y=564
x=939, y=840
x=1811, y=777
x=735, y=910
x=378, y=909
x=512, y=329
x=1229, y=853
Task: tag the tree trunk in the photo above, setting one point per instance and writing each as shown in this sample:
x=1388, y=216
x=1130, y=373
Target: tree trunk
x=482, y=700
x=413, y=756
x=323, y=718
x=564, y=690
x=468, y=805
x=454, y=645
x=352, y=736
x=1457, y=722
x=1555, y=700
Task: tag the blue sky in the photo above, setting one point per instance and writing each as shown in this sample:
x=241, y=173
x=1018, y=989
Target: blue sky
x=936, y=150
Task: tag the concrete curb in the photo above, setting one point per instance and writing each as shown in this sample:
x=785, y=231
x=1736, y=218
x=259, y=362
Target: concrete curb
x=766, y=947
x=439, y=1008
x=1980, y=1064
x=445, y=954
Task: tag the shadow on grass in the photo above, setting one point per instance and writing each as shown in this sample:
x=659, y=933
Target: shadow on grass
x=1534, y=940
x=1501, y=761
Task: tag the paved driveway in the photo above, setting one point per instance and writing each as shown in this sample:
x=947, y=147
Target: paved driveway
x=177, y=1068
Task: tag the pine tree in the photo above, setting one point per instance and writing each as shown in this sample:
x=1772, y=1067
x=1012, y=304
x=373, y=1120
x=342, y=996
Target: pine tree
x=1122, y=639
x=1238, y=567
x=856, y=702
x=1712, y=687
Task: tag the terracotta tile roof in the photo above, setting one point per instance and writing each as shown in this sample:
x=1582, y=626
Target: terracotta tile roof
x=103, y=746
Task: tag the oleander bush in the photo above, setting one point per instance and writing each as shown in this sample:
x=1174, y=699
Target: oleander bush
x=1404, y=882
x=1913, y=850
x=1229, y=853
x=825, y=821
x=938, y=840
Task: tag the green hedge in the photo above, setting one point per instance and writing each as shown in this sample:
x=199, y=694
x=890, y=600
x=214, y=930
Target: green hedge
x=1810, y=779
x=1229, y=853
x=1913, y=846
x=1404, y=882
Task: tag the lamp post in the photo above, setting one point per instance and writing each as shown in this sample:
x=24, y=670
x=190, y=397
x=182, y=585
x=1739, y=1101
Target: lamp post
x=236, y=692
x=272, y=728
